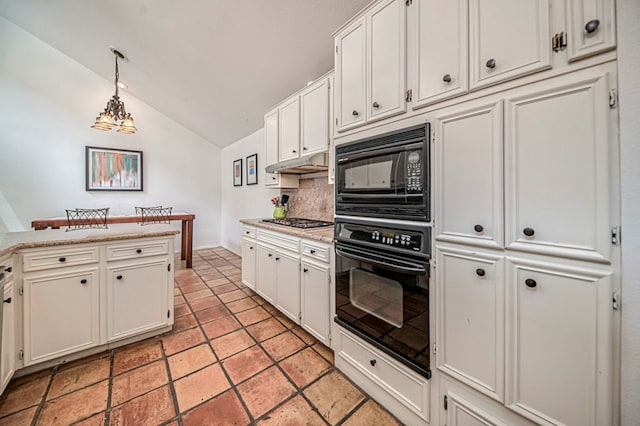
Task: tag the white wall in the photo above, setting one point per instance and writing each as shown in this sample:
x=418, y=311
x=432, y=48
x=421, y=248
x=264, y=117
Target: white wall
x=246, y=201
x=48, y=103
x=628, y=16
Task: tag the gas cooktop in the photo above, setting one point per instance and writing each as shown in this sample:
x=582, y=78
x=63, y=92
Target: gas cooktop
x=298, y=222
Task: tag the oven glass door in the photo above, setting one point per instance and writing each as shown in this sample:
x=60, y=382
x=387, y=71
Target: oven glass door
x=385, y=300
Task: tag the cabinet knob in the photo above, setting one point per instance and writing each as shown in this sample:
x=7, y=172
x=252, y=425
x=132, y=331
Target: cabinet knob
x=83, y=281
x=9, y=269
x=270, y=255
x=62, y=259
x=305, y=270
x=277, y=258
x=478, y=228
x=373, y=362
x=119, y=277
x=592, y=26
x=294, y=151
x=312, y=251
x=273, y=177
x=304, y=148
x=528, y=232
x=480, y=272
x=491, y=63
x=139, y=251
x=8, y=300
x=247, y=232
x=376, y=105
x=355, y=113
x=250, y=248
x=446, y=78
x=530, y=283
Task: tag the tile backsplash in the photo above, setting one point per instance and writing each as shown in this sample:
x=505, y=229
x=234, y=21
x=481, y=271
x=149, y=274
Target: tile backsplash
x=312, y=200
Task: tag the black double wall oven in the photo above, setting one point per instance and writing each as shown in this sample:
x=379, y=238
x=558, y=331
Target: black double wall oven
x=382, y=243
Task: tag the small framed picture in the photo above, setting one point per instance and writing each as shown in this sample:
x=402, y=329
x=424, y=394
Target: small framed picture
x=110, y=169
x=237, y=172
x=252, y=169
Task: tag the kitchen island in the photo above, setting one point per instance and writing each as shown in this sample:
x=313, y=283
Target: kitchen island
x=71, y=294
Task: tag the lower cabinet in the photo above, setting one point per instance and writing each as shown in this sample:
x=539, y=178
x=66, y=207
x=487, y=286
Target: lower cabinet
x=61, y=312
x=315, y=287
x=278, y=279
x=265, y=273
x=8, y=353
x=137, y=297
x=249, y=263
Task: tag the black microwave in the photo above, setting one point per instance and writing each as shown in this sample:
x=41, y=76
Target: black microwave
x=386, y=176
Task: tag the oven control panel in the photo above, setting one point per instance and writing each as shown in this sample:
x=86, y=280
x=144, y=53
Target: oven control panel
x=414, y=172
x=397, y=238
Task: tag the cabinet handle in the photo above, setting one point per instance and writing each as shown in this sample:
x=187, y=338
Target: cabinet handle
x=83, y=281
x=592, y=26
x=139, y=251
x=376, y=105
x=62, y=259
x=528, y=232
x=373, y=362
x=305, y=270
x=277, y=258
x=446, y=78
x=9, y=269
x=480, y=272
x=312, y=251
x=491, y=63
x=478, y=228
x=270, y=255
x=530, y=283
x=250, y=248
x=119, y=277
x=304, y=148
x=7, y=300
x=355, y=113
x=247, y=232
x=294, y=151
x=274, y=178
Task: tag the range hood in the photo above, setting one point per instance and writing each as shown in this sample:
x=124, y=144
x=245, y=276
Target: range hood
x=305, y=164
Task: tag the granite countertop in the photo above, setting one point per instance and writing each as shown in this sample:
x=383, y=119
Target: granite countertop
x=324, y=234
x=12, y=241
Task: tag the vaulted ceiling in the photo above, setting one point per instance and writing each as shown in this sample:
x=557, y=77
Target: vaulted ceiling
x=214, y=66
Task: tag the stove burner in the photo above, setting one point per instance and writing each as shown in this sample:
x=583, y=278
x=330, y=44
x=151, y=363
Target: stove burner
x=297, y=222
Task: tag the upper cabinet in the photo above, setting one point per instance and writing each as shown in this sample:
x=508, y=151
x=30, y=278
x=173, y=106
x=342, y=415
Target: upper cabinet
x=508, y=39
x=371, y=66
x=314, y=117
x=289, y=123
x=271, y=127
x=591, y=27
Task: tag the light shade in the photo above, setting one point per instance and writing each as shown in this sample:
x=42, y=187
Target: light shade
x=104, y=122
x=127, y=125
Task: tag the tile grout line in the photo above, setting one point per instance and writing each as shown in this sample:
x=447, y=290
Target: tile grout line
x=107, y=413
x=172, y=390
x=42, y=402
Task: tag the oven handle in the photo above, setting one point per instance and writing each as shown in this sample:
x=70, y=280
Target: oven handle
x=398, y=266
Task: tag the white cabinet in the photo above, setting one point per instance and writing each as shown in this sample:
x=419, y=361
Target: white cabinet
x=289, y=129
x=371, y=66
x=248, y=257
x=559, y=189
x=8, y=352
x=591, y=27
x=559, y=343
x=314, y=117
x=287, y=284
x=315, y=291
x=137, y=296
x=271, y=138
x=61, y=311
x=469, y=158
x=440, y=50
x=265, y=273
x=470, y=319
x=508, y=39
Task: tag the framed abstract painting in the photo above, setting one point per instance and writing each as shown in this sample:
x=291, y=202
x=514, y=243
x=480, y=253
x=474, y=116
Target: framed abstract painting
x=252, y=169
x=113, y=169
x=237, y=172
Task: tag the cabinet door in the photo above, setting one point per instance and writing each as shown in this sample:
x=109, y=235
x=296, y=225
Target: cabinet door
x=441, y=44
x=271, y=145
x=559, y=344
x=469, y=180
x=249, y=263
x=265, y=272
x=386, y=55
x=558, y=149
x=350, y=76
x=61, y=313
x=508, y=39
x=287, y=284
x=289, y=129
x=136, y=297
x=591, y=27
x=316, y=314
x=8, y=352
x=470, y=291
x=314, y=118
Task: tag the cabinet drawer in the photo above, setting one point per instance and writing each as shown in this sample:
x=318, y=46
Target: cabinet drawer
x=137, y=249
x=248, y=232
x=316, y=251
x=58, y=258
x=279, y=240
x=409, y=388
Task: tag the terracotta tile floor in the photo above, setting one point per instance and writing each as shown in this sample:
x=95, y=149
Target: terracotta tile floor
x=231, y=359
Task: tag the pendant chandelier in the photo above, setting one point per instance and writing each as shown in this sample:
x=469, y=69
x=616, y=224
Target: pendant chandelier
x=115, y=113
